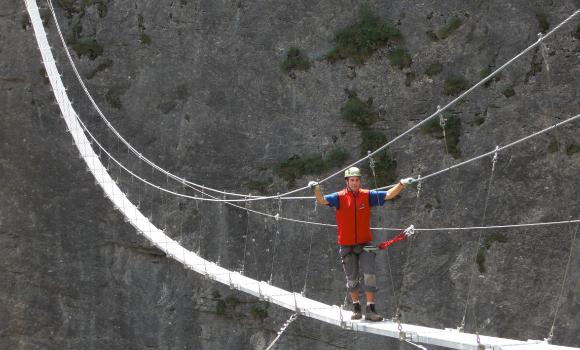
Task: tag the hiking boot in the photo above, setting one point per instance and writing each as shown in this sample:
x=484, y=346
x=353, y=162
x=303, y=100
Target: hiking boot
x=356, y=313
x=371, y=314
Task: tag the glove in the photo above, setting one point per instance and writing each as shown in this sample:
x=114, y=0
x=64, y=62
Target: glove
x=410, y=231
x=313, y=184
x=407, y=181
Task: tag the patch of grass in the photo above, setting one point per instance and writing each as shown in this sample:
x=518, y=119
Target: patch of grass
x=371, y=140
x=480, y=260
x=385, y=165
x=487, y=71
x=220, y=307
x=479, y=120
x=312, y=164
x=87, y=47
x=434, y=69
x=453, y=132
x=494, y=237
x=145, y=39
x=409, y=78
x=400, y=58
x=294, y=61
x=25, y=22
x=449, y=28
x=576, y=33
x=72, y=7
x=43, y=75
x=360, y=40
x=232, y=301
x=359, y=112
x=106, y=64
x=453, y=85
x=259, y=313
x=543, y=23
x=554, y=146
x=572, y=149
x=509, y=92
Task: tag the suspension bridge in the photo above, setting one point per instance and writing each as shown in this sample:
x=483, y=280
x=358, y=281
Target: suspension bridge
x=293, y=301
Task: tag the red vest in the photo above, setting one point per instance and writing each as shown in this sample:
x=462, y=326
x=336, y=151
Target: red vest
x=353, y=217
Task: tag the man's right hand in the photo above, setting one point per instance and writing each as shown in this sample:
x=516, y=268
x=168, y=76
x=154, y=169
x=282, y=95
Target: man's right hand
x=313, y=184
x=407, y=181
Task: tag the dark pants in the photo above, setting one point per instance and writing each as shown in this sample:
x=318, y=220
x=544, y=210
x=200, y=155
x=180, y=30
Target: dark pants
x=354, y=257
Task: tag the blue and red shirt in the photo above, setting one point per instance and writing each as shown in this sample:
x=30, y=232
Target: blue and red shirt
x=353, y=214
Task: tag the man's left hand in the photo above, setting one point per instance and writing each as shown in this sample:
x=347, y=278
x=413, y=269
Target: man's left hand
x=407, y=181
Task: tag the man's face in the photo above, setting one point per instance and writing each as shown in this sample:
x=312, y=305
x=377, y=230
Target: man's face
x=353, y=183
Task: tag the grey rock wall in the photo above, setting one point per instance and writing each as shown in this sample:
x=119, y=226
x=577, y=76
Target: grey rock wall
x=197, y=87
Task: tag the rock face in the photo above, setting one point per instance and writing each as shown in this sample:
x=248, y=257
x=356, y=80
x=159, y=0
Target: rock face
x=197, y=87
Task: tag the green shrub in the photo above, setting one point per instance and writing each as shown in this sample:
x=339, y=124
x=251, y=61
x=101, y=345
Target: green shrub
x=313, y=164
x=449, y=28
x=487, y=71
x=572, y=149
x=554, y=146
x=232, y=301
x=220, y=307
x=453, y=131
x=454, y=85
x=400, y=58
x=385, y=168
x=508, y=92
x=543, y=23
x=358, y=112
x=434, y=69
x=294, y=61
x=371, y=140
x=480, y=260
x=409, y=78
x=360, y=40
x=87, y=47
x=478, y=121
x=145, y=39
x=259, y=313
x=494, y=237
x=43, y=75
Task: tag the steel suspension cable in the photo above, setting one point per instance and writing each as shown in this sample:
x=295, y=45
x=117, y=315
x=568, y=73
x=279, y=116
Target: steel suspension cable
x=494, y=161
x=180, y=179
x=439, y=172
x=572, y=244
x=213, y=198
x=398, y=313
x=461, y=96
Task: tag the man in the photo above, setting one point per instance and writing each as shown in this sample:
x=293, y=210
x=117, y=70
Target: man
x=353, y=214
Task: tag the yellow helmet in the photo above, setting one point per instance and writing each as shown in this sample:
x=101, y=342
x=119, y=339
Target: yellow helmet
x=352, y=171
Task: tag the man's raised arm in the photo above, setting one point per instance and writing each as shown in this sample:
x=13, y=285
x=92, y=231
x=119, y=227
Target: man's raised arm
x=393, y=192
x=317, y=192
